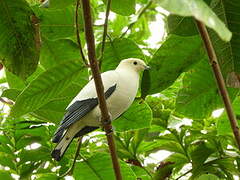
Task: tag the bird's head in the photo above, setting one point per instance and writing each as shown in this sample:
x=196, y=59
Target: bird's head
x=133, y=63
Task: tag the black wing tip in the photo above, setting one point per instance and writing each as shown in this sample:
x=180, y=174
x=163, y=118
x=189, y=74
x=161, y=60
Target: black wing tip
x=56, y=154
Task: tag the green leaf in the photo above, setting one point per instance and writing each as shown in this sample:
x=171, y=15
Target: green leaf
x=7, y=160
x=118, y=50
x=199, y=10
x=60, y=3
x=19, y=46
x=14, y=81
x=38, y=154
x=49, y=176
x=59, y=51
x=227, y=52
x=26, y=170
x=47, y=86
x=123, y=7
x=100, y=167
x=207, y=177
x=223, y=124
x=5, y=175
x=11, y=94
x=138, y=116
x=59, y=24
x=161, y=76
x=199, y=152
x=199, y=95
x=182, y=26
x=55, y=109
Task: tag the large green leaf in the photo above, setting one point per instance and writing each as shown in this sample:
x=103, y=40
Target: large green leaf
x=228, y=52
x=5, y=175
x=59, y=51
x=117, y=50
x=19, y=46
x=123, y=7
x=199, y=10
x=138, y=116
x=223, y=124
x=207, y=177
x=55, y=109
x=199, y=153
x=170, y=60
x=199, y=95
x=59, y=24
x=47, y=86
x=182, y=26
x=60, y=3
x=100, y=167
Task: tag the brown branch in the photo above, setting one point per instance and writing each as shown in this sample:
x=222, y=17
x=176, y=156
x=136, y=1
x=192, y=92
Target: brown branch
x=219, y=80
x=78, y=36
x=99, y=86
x=6, y=101
x=141, y=12
x=105, y=31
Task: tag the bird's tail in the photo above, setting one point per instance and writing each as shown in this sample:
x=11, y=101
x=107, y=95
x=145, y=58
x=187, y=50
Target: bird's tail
x=64, y=142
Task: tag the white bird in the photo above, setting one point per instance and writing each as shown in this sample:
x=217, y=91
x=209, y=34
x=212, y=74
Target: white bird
x=83, y=114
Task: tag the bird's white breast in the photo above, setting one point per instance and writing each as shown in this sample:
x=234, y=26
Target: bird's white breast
x=126, y=89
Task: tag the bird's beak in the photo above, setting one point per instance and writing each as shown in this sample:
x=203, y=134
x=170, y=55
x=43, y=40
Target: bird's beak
x=147, y=67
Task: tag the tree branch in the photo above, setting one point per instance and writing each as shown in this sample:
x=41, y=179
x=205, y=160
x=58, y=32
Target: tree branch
x=6, y=101
x=105, y=31
x=99, y=86
x=78, y=36
x=219, y=80
x=141, y=12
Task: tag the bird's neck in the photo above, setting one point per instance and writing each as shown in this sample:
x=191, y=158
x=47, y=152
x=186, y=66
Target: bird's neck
x=131, y=74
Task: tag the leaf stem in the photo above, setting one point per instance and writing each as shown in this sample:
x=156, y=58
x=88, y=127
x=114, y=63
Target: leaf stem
x=219, y=80
x=78, y=36
x=105, y=31
x=106, y=121
x=70, y=170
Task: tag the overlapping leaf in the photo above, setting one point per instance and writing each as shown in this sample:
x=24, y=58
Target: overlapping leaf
x=199, y=95
x=138, y=116
x=167, y=64
x=59, y=23
x=99, y=167
x=47, y=86
x=200, y=10
x=19, y=38
x=117, y=50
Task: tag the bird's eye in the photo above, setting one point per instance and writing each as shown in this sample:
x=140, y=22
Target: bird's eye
x=135, y=62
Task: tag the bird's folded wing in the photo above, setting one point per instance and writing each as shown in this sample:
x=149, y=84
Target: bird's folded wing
x=78, y=110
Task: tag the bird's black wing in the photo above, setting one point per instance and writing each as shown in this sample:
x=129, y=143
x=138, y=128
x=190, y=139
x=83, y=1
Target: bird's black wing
x=78, y=110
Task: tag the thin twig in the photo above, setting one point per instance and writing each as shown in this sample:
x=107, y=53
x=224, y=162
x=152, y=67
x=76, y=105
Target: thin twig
x=141, y=12
x=6, y=101
x=78, y=36
x=184, y=174
x=70, y=170
x=106, y=121
x=219, y=80
x=105, y=31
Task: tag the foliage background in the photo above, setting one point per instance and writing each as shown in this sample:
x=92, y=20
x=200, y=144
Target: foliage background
x=172, y=112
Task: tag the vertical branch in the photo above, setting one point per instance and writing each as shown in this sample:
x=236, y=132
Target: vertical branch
x=99, y=86
x=105, y=31
x=219, y=80
x=77, y=34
